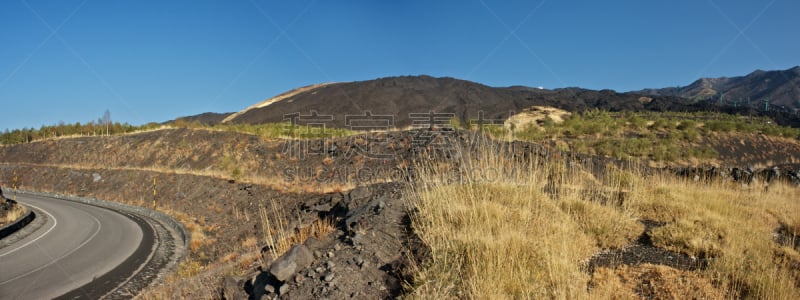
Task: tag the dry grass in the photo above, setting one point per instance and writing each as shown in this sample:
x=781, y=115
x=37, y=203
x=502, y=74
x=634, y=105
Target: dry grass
x=277, y=236
x=652, y=282
x=12, y=215
x=194, y=227
x=189, y=282
x=610, y=227
x=194, y=278
x=502, y=240
x=732, y=225
x=528, y=232
x=501, y=236
x=533, y=115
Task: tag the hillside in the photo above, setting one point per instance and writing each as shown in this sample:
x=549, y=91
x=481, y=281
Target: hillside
x=781, y=89
x=402, y=96
x=374, y=228
x=662, y=138
x=581, y=194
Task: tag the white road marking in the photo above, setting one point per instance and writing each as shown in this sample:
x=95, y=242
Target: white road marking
x=55, y=222
x=99, y=226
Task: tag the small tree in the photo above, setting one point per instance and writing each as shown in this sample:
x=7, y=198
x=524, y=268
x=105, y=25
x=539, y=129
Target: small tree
x=106, y=120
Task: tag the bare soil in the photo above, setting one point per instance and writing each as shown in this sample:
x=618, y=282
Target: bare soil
x=642, y=251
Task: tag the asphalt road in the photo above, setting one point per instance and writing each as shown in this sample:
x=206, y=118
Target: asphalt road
x=74, y=252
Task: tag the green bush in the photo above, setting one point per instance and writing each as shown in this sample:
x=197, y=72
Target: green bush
x=662, y=124
x=635, y=122
x=686, y=124
x=581, y=146
x=531, y=133
x=691, y=135
x=628, y=135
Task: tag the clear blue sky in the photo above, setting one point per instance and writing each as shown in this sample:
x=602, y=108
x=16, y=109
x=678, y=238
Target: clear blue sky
x=70, y=60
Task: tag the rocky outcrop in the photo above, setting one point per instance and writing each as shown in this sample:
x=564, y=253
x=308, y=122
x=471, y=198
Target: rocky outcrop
x=367, y=256
x=298, y=258
x=233, y=288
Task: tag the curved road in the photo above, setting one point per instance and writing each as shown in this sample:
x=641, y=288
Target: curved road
x=77, y=245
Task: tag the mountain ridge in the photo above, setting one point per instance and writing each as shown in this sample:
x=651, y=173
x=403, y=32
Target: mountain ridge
x=403, y=97
x=778, y=88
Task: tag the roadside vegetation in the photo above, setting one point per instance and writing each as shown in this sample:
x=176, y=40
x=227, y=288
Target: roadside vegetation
x=9, y=213
x=27, y=135
x=530, y=232
x=269, y=130
x=497, y=227
x=195, y=274
x=660, y=136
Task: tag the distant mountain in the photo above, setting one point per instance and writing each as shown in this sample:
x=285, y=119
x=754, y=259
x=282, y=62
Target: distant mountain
x=403, y=96
x=763, y=90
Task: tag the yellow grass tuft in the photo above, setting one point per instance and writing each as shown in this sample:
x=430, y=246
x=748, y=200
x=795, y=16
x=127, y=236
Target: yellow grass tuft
x=651, y=282
x=528, y=232
x=497, y=240
x=11, y=216
x=610, y=227
x=733, y=225
x=495, y=233
x=279, y=239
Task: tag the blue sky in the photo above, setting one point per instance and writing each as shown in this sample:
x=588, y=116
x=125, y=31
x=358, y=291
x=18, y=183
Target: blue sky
x=70, y=60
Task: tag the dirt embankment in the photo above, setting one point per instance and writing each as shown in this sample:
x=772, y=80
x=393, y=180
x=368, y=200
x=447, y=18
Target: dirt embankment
x=235, y=192
x=757, y=150
x=365, y=254
x=238, y=193
x=226, y=187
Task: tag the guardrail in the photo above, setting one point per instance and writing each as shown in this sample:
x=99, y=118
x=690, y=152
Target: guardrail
x=159, y=216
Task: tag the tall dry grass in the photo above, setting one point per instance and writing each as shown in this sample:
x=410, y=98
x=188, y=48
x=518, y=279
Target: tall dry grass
x=194, y=279
x=279, y=238
x=15, y=213
x=733, y=226
x=500, y=228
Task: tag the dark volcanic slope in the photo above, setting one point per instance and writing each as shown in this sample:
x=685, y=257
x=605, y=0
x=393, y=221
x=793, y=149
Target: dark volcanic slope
x=401, y=96
x=208, y=118
x=781, y=88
